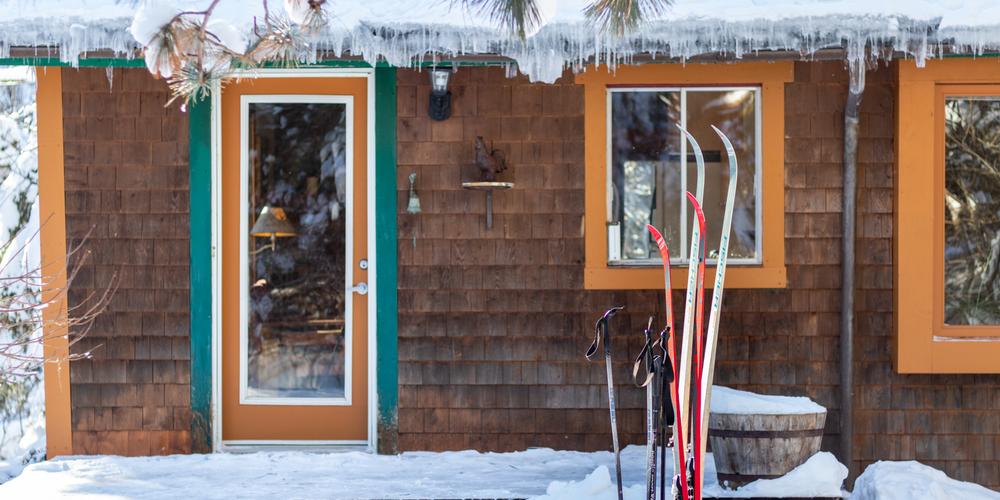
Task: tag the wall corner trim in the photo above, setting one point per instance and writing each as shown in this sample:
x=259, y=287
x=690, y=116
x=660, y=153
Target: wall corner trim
x=200, y=185
x=52, y=214
x=385, y=259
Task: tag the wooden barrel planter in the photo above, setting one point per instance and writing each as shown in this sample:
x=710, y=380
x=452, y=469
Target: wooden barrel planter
x=748, y=447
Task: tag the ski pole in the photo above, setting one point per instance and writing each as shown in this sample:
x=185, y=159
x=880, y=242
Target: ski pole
x=601, y=330
x=646, y=358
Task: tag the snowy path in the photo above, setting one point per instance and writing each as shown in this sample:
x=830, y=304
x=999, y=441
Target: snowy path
x=461, y=474
x=294, y=475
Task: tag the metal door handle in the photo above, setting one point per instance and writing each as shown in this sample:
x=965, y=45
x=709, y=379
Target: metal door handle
x=360, y=288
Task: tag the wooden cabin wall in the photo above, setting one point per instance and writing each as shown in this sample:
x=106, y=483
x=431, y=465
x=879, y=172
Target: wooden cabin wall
x=126, y=163
x=493, y=324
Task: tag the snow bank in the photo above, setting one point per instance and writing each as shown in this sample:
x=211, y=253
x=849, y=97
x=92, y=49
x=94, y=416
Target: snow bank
x=732, y=401
x=910, y=480
x=820, y=476
x=598, y=485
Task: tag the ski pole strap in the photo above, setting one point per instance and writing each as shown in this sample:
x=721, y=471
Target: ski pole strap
x=601, y=329
x=595, y=345
x=644, y=357
x=667, y=369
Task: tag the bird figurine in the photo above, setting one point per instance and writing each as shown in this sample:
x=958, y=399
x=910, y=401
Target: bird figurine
x=489, y=160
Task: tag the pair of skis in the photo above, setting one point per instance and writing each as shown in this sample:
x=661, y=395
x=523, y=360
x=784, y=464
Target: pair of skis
x=696, y=340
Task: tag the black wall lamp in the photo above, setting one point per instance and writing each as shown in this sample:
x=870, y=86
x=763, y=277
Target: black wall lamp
x=439, y=107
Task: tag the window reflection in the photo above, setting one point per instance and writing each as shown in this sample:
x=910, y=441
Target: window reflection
x=648, y=177
x=972, y=211
x=297, y=185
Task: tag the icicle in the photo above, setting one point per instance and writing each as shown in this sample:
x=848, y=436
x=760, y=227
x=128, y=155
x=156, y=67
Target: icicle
x=109, y=72
x=856, y=62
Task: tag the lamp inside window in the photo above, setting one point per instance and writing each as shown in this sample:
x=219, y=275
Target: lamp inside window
x=272, y=223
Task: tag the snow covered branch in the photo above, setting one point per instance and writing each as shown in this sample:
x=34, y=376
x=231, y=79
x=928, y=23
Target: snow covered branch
x=193, y=51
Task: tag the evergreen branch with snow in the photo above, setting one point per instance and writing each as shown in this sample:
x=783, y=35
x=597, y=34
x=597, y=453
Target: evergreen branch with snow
x=518, y=16
x=195, y=52
x=622, y=16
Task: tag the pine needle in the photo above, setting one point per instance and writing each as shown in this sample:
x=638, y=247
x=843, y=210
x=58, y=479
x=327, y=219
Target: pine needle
x=518, y=16
x=622, y=16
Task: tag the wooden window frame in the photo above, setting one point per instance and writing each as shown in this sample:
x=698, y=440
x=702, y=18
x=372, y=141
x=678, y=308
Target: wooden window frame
x=770, y=77
x=923, y=343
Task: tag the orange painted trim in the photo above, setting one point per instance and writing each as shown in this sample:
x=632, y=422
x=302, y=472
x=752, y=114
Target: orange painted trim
x=52, y=214
x=922, y=342
x=771, y=77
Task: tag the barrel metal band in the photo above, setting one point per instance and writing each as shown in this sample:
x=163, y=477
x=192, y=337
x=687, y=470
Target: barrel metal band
x=730, y=433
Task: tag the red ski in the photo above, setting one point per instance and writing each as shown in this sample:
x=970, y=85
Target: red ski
x=699, y=302
x=680, y=480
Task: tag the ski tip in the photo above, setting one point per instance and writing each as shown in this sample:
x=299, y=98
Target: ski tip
x=697, y=210
x=729, y=147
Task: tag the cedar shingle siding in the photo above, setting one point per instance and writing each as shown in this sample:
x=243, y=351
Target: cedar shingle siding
x=127, y=194
x=493, y=324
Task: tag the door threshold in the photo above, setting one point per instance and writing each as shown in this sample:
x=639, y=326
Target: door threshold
x=240, y=447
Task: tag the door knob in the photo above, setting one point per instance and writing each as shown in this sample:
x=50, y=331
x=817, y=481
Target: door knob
x=360, y=288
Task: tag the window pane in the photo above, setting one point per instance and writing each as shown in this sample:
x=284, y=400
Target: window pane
x=645, y=170
x=733, y=112
x=296, y=338
x=972, y=211
x=647, y=185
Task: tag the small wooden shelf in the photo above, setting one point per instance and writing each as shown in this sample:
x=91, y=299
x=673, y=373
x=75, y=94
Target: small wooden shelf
x=488, y=187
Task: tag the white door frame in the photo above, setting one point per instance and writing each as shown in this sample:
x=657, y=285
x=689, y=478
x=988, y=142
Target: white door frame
x=371, y=443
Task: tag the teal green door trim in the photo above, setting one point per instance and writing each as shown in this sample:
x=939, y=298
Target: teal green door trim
x=200, y=199
x=385, y=259
x=200, y=182
x=93, y=62
x=139, y=62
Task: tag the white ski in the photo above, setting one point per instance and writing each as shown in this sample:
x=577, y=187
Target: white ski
x=687, y=339
x=712, y=330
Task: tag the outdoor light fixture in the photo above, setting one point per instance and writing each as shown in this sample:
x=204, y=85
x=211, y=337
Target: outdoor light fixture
x=439, y=107
x=271, y=223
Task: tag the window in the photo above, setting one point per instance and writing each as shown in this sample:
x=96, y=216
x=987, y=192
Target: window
x=638, y=167
x=947, y=230
x=652, y=167
x=295, y=347
x=972, y=210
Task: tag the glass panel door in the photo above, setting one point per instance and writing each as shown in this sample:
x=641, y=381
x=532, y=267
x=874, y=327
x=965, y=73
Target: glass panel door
x=296, y=342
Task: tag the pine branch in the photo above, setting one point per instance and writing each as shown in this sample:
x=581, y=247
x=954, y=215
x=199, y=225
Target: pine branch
x=518, y=16
x=622, y=16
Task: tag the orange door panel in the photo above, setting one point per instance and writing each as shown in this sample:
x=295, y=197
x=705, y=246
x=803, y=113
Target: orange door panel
x=247, y=419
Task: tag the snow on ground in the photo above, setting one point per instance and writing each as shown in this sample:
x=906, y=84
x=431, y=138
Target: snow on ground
x=914, y=480
x=294, y=475
x=560, y=475
x=732, y=401
x=820, y=476
x=23, y=439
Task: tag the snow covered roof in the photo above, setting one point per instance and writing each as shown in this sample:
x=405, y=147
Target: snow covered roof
x=405, y=31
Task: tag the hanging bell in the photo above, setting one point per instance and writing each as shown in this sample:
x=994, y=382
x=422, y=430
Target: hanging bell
x=413, y=204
